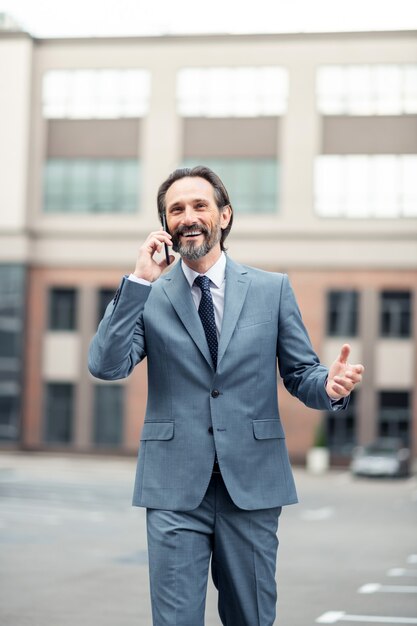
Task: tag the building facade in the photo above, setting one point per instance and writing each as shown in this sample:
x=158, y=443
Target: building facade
x=315, y=137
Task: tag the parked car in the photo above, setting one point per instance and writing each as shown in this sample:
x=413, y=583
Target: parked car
x=384, y=457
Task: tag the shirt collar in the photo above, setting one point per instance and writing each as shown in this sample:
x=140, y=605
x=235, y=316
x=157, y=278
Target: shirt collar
x=216, y=273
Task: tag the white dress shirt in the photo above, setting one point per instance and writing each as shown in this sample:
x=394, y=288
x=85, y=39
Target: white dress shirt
x=217, y=276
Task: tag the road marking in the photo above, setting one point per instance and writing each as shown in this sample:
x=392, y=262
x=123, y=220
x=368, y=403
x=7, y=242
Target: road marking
x=331, y=617
x=400, y=571
x=317, y=515
x=378, y=588
x=412, y=559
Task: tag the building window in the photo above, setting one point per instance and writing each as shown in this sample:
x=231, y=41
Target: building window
x=62, y=308
x=12, y=310
x=251, y=183
x=367, y=89
x=232, y=91
x=395, y=415
x=104, y=297
x=395, y=314
x=59, y=405
x=91, y=185
x=356, y=186
x=342, y=313
x=341, y=428
x=10, y=337
x=108, y=415
x=9, y=411
x=100, y=93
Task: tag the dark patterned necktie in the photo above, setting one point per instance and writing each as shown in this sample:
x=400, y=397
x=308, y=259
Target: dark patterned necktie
x=206, y=313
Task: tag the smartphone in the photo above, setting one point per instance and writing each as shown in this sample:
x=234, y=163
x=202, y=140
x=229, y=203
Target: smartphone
x=164, y=226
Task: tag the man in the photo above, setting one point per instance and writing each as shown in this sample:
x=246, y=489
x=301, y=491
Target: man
x=213, y=469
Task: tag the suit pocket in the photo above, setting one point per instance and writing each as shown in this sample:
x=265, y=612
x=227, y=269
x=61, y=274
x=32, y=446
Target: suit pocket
x=263, y=317
x=268, y=429
x=157, y=431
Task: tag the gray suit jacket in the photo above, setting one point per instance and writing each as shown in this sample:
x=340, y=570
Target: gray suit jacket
x=193, y=410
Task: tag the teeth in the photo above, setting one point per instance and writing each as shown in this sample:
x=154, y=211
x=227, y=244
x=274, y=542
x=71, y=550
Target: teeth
x=193, y=234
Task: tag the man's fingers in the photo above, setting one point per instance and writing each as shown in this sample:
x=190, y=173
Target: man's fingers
x=353, y=375
x=344, y=353
x=155, y=242
x=340, y=390
x=345, y=383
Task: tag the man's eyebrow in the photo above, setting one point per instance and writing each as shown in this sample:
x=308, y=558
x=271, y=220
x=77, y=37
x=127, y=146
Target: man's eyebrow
x=179, y=202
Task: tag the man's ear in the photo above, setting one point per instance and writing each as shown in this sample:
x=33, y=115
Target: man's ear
x=226, y=215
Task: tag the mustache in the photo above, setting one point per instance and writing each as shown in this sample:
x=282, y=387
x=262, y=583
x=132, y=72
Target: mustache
x=184, y=230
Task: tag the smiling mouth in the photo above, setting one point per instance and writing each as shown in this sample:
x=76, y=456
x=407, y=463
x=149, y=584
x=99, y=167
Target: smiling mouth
x=194, y=233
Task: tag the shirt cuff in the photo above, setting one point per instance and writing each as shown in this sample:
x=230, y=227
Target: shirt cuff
x=334, y=404
x=141, y=281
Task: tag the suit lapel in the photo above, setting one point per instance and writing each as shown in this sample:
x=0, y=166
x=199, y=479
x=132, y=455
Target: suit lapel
x=237, y=284
x=178, y=291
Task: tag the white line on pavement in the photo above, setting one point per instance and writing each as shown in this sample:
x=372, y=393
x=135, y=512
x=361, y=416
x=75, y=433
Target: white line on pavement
x=331, y=617
x=378, y=588
x=412, y=559
x=400, y=571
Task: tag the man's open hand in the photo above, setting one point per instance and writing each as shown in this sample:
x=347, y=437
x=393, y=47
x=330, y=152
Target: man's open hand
x=146, y=266
x=343, y=376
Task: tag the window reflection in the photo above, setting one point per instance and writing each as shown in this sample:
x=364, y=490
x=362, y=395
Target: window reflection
x=232, y=92
x=91, y=94
x=367, y=89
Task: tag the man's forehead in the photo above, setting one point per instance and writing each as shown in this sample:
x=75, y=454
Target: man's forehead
x=189, y=188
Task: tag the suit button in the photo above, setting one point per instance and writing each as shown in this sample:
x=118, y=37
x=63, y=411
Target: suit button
x=210, y=430
x=215, y=393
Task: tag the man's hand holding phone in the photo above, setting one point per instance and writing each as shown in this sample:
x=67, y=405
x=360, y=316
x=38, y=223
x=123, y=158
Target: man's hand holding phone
x=146, y=266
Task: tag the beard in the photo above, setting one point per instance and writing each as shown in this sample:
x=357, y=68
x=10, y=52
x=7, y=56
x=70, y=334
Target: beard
x=190, y=250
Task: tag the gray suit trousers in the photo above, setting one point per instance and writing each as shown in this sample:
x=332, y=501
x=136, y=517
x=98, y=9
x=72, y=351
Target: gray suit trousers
x=243, y=547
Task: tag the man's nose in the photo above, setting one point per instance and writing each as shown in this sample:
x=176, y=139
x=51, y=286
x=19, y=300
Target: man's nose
x=189, y=216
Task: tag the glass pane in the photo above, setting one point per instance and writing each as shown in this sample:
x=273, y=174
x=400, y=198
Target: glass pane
x=357, y=186
x=108, y=415
x=62, y=309
x=360, y=90
x=91, y=185
x=410, y=89
x=58, y=412
x=12, y=311
x=367, y=89
x=363, y=186
x=129, y=182
x=91, y=93
x=329, y=186
x=388, y=87
x=227, y=92
x=385, y=178
x=342, y=308
x=396, y=314
x=251, y=183
x=409, y=185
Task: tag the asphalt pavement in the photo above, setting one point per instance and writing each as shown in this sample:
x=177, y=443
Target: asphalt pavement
x=73, y=550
